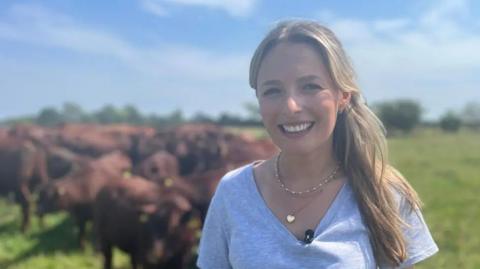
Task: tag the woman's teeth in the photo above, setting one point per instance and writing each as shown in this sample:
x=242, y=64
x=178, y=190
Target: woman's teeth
x=297, y=127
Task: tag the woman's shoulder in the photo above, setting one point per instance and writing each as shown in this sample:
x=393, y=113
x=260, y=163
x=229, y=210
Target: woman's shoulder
x=235, y=179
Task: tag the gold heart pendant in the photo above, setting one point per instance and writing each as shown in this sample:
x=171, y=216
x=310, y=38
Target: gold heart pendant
x=290, y=218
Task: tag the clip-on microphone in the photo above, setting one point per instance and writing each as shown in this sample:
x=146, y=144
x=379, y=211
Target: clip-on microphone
x=308, y=236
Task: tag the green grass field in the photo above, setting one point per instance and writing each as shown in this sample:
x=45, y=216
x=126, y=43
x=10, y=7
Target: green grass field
x=443, y=168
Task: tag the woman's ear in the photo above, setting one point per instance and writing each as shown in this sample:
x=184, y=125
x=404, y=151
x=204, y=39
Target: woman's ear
x=344, y=100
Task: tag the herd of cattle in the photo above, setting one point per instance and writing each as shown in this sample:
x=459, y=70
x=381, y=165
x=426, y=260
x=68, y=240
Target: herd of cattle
x=146, y=191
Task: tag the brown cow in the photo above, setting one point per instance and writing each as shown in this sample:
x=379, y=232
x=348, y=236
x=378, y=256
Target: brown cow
x=202, y=187
x=30, y=158
x=203, y=147
x=157, y=229
x=146, y=144
x=95, y=140
x=242, y=149
x=61, y=161
x=88, y=139
x=22, y=168
x=158, y=167
x=198, y=147
x=77, y=191
x=198, y=188
x=3, y=133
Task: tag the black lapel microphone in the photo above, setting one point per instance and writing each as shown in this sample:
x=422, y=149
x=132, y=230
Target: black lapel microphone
x=308, y=236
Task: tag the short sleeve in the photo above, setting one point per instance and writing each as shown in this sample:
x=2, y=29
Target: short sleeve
x=213, y=247
x=419, y=241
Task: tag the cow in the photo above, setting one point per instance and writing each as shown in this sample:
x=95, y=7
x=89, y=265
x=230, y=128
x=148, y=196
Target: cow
x=157, y=228
x=76, y=192
x=243, y=149
x=3, y=133
x=22, y=168
x=158, y=167
x=197, y=147
x=29, y=158
x=95, y=140
x=61, y=161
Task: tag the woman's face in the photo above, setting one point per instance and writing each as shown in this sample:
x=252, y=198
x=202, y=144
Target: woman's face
x=298, y=102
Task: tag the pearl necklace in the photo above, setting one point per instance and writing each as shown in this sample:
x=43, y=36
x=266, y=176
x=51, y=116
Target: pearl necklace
x=291, y=217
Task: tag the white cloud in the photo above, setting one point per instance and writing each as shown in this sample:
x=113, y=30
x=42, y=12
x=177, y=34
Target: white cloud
x=390, y=24
x=431, y=58
x=36, y=25
x=236, y=8
x=153, y=7
x=445, y=10
x=157, y=78
x=50, y=29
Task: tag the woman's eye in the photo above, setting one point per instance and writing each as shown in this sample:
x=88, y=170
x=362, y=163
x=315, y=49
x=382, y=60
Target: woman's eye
x=311, y=87
x=271, y=91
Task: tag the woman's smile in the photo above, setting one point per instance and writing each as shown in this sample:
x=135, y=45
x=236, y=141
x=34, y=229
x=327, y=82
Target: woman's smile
x=296, y=130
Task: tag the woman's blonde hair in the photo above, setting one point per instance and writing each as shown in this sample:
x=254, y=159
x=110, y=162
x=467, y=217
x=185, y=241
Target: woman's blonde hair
x=359, y=142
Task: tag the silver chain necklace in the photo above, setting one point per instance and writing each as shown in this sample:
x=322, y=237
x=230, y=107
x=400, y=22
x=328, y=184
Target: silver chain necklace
x=290, y=218
x=318, y=187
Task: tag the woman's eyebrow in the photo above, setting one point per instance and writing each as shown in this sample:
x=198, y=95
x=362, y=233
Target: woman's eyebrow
x=308, y=78
x=318, y=80
x=271, y=82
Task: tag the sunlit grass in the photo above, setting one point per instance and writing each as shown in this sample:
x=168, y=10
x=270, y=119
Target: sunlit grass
x=53, y=247
x=445, y=170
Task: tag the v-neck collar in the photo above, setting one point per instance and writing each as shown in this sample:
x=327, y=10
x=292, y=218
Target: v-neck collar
x=324, y=222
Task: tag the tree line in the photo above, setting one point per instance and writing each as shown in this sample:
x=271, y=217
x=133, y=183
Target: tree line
x=401, y=115
x=73, y=113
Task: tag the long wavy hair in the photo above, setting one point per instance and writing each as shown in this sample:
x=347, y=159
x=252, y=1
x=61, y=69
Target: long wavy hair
x=359, y=142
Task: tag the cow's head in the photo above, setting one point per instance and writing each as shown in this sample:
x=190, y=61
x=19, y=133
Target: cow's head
x=165, y=225
x=52, y=197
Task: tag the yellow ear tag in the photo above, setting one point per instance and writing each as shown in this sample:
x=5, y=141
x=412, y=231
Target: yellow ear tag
x=198, y=234
x=143, y=218
x=127, y=174
x=61, y=191
x=193, y=223
x=168, y=182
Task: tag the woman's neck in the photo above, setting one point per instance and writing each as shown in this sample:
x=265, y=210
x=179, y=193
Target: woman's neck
x=302, y=171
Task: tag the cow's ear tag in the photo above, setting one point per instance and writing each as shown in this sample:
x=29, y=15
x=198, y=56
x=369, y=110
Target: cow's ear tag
x=194, y=223
x=198, y=234
x=143, y=218
x=61, y=191
x=127, y=174
x=168, y=182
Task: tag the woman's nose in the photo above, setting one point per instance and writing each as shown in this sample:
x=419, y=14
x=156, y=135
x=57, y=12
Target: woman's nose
x=293, y=104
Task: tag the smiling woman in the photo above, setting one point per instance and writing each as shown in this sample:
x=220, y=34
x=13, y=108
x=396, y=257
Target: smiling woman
x=329, y=199
x=297, y=97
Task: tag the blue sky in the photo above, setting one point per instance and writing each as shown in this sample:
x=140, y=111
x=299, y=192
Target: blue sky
x=193, y=55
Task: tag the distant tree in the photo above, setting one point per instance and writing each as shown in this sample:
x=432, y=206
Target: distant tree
x=49, y=117
x=107, y=115
x=229, y=119
x=18, y=120
x=253, y=111
x=471, y=115
x=72, y=112
x=450, y=122
x=201, y=117
x=155, y=121
x=132, y=115
x=402, y=114
x=175, y=118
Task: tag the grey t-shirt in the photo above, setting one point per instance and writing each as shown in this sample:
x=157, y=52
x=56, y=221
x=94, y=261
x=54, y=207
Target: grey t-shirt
x=241, y=232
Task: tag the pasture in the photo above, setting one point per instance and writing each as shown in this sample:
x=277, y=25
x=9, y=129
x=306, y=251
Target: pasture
x=443, y=168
